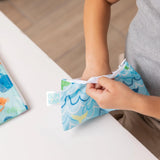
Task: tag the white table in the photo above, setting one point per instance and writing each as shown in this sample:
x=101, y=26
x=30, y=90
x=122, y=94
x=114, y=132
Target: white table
x=38, y=134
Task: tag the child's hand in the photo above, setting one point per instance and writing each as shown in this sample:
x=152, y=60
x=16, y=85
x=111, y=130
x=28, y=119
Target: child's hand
x=112, y=94
x=94, y=72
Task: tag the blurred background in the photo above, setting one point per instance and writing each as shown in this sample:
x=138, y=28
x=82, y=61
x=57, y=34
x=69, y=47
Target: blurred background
x=56, y=26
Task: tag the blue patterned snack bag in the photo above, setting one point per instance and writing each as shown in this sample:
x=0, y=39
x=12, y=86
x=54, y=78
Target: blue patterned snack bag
x=12, y=103
x=77, y=107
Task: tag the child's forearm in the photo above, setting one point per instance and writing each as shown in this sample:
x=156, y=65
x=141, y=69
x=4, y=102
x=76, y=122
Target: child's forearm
x=96, y=22
x=147, y=105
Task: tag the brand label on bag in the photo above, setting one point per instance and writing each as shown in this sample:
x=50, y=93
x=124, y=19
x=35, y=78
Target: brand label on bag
x=53, y=98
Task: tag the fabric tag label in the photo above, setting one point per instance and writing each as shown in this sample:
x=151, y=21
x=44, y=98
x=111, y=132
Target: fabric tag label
x=53, y=98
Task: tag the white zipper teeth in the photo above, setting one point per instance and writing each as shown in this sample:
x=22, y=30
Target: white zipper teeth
x=94, y=79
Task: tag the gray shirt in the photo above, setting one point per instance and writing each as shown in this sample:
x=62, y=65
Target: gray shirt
x=143, y=44
x=143, y=53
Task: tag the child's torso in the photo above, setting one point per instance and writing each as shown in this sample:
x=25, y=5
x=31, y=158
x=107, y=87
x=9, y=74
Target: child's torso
x=143, y=44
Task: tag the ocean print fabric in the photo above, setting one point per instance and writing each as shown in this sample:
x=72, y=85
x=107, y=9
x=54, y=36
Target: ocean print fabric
x=11, y=102
x=77, y=107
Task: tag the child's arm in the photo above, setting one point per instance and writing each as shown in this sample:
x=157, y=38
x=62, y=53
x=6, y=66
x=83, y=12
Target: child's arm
x=148, y=105
x=96, y=22
x=116, y=95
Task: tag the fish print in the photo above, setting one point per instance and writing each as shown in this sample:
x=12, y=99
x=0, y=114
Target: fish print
x=80, y=118
x=3, y=101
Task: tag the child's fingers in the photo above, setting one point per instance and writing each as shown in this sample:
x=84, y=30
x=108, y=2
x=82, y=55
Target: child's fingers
x=90, y=88
x=107, y=83
x=98, y=86
x=92, y=91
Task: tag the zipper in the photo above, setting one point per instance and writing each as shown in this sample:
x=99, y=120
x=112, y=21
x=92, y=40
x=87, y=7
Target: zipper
x=95, y=79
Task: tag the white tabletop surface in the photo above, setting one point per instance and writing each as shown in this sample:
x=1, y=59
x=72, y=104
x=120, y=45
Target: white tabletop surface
x=37, y=134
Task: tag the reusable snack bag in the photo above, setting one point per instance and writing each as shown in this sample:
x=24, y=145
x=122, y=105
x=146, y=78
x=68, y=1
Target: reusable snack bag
x=12, y=103
x=77, y=107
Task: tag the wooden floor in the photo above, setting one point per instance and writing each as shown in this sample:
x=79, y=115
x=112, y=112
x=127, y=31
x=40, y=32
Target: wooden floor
x=56, y=26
